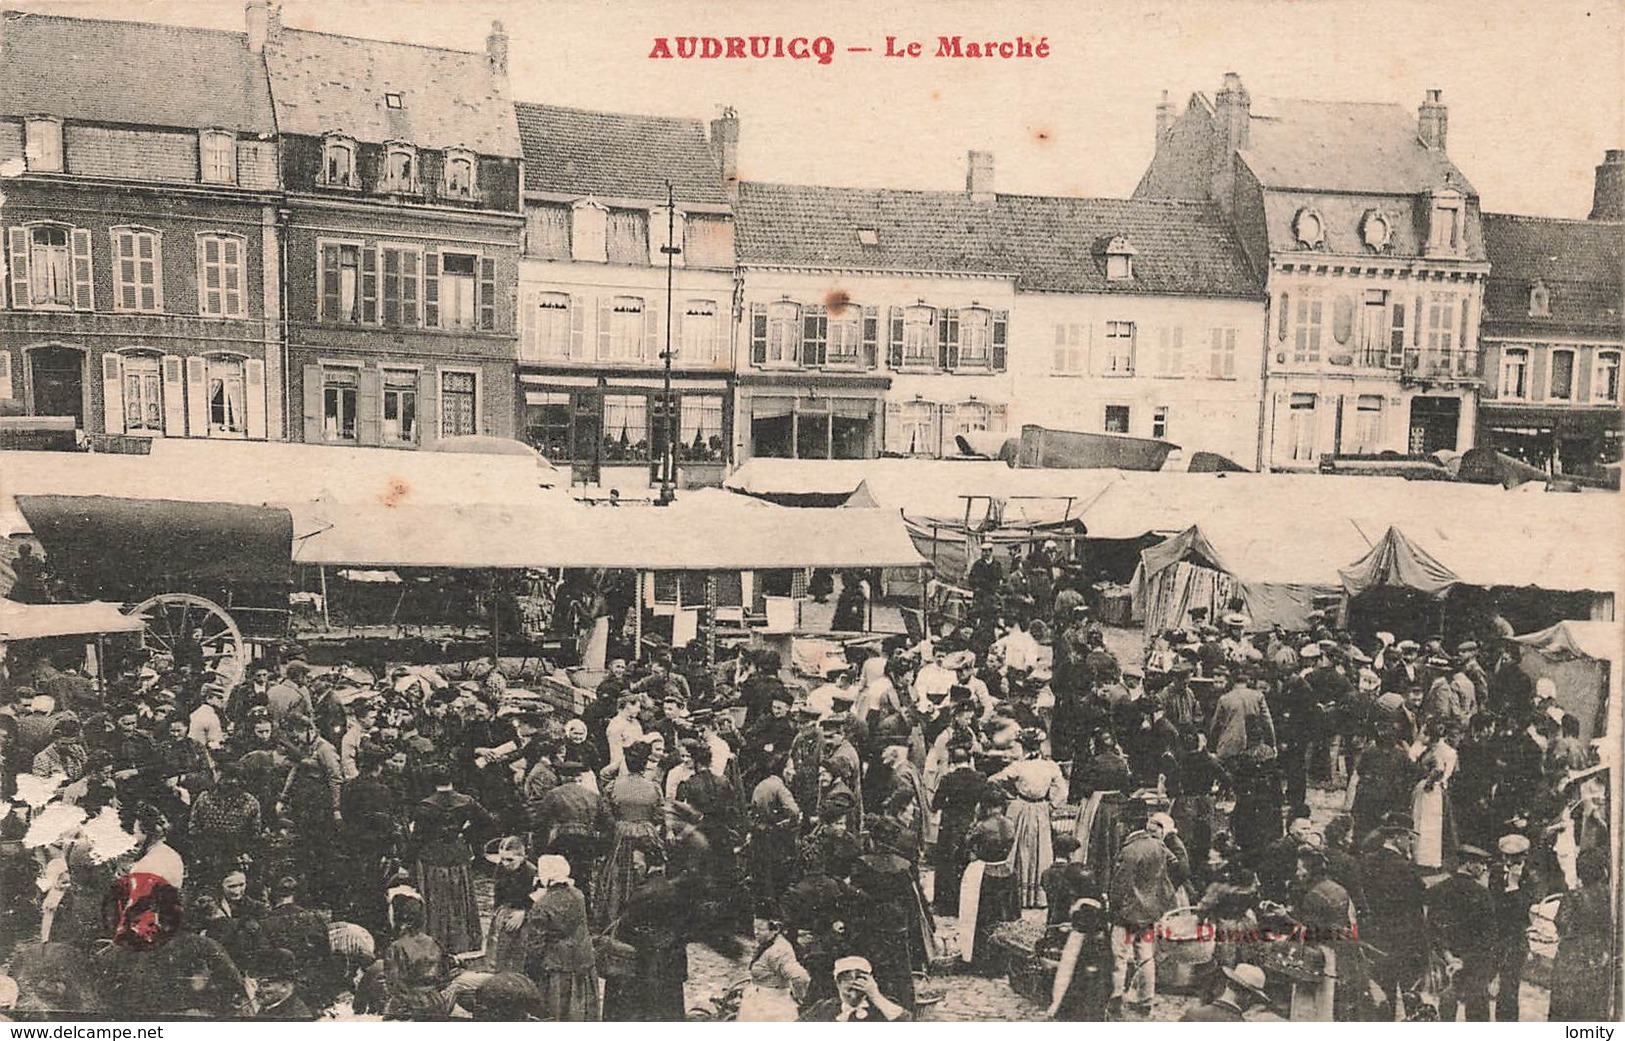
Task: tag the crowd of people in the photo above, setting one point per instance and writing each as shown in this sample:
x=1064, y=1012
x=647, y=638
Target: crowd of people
x=327, y=834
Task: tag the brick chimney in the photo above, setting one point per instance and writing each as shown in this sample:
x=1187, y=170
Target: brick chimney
x=725, y=147
x=1609, y=201
x=496, y=58
x=1433, y=121
x=979, y=176
x=264, y=20
x=1165, y=118
x=1232, y=114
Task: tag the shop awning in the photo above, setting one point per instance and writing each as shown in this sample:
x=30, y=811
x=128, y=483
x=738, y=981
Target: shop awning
x=40, y=621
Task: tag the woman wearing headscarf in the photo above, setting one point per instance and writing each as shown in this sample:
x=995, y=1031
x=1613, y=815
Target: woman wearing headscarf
x=637, y=807
x=906, y=802
x=1038, y=785
x=440, y=827
x=989, y=893
x=513, y=879
x=778, y=981
x=414, y=964
x=556, y=946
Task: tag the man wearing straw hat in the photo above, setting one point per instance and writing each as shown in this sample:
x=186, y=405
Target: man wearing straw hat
x=1243, y=990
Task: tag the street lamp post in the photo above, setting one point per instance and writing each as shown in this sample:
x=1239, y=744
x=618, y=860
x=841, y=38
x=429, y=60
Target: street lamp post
x=668, y=458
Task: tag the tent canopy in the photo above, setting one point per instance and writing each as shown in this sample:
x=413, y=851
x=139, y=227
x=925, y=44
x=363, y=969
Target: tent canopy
x=1270, y=565
x=39, y=621
x=1578, y=656
x=1396, y=561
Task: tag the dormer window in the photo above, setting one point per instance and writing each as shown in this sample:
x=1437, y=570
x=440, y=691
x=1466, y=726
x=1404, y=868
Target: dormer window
x=589, y=231
x=400, y=168
x=459, y=174
x=338, y=162
x=217, y=157
x=869, y=237
x=394, y=100
x=1445, y=227
x=1308, y=229
x=1120, y=260
x=1540, y=301
x=1375, y=230
x=43, y=149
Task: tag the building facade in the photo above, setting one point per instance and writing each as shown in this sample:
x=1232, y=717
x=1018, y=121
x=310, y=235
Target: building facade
x=1371, y=249
x=401, y=171
x=1554, y=332
x=593, y=303
x=141, y=239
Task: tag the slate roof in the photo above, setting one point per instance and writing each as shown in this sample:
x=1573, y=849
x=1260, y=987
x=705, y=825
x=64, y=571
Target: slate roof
x=1582, y=263
x=326, y=83
x=613, y=155
x=131, y=72
x=1049, y=244
x=1339, y=146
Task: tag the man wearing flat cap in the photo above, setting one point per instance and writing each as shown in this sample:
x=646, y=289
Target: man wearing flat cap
x=1460, y=911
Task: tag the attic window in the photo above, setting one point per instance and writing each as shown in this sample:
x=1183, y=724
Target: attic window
x=1308, y=228
x=1120, y=260
x=392, y=100
x=868, y=237
x=400, y=168
x=459, y=174
x=338, y=161
x=1375, y=230
x=1540, y=301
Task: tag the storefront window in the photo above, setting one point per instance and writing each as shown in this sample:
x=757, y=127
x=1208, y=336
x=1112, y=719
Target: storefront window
x=626, y=428
x=700, y=429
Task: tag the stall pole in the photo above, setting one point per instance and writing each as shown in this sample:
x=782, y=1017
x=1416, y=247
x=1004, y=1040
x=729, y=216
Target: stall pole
x=496, y=624
x=637, y=624
x=321, y=572
x=710, y=619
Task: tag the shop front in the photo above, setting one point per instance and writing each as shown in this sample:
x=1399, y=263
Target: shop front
x=811, y=418
x=1556, y=439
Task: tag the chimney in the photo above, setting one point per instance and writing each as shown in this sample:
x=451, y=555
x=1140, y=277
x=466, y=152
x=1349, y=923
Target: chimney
x=1609, y=201
x=1433, y=121
x=1165, y=118
x=496, y=58
x=725, y=148
x=1231, y=117
x=264, y=24
x=979, y=176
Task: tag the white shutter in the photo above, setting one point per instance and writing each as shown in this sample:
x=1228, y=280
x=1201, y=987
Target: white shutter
x=893, y=434
x=5, y=374
x=83, y=283
x=947, y=421
x=654, y=335
x=605, y=309
x=112, y=393
x=197, y=397
x=174, y=396
x=578, y=320
x=254, y=381
x=20, y=297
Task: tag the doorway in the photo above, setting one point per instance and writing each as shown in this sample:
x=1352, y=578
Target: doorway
x=1434, y=422
x=57, y=375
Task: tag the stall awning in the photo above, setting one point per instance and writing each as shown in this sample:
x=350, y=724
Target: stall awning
x=1397, y=561
x=39, y=621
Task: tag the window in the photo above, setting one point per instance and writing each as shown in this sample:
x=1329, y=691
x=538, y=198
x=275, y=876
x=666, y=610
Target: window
x=222, y=287
x=400, y=407
x=1171, y=351
x=143, y=394
x=341, y=390
x=551, y=329
x=43, y=147
x=850, y=328
x=1301, y=427
x=1540, y=301
x=459, y=404
x=589, y=231
x=1374, y=329
x=139, y=285
x=1514, y=373
x=1396, y=336
x=975, y=338
x=697, y=338
x=1119, y=260
x=1222, y=354
x=700, y=429
x=628, y=237
x=621, y=328
x=1116, y=419
x=972, y=416
x=1441, y=330
x=1446, y=231
x=228, y=396
x=349, y=283
x=400, y=169
x=49, y=266
x=1605, y=378
x=1159, y=421
x=459, y=173
x=1367, y=425
x=1562, y=376
x=217, y=157
x=918, y=431
x=626, y=428
x=919, y=336
x=338, y=162
x=1308, y=228
x=547, y=424
x=780, y=326
x=458, y=286
x=1069, y=349
x=1119, y=349
x=1306, y=348
x=661, y=221
x=403, y=288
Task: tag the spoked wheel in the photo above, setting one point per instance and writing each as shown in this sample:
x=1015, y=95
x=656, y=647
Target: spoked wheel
x=184, y=627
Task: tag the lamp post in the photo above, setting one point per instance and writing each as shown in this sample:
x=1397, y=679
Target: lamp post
x=668, y=459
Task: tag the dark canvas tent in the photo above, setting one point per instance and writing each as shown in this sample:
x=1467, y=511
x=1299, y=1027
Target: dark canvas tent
x=1397, y=561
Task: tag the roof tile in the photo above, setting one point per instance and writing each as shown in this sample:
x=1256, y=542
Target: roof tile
x=613, y=155
x=1340, y=146
x=1582, y=262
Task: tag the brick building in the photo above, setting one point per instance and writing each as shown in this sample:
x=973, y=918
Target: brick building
x=140, y=230
x=401, y=167
x=1370, y=246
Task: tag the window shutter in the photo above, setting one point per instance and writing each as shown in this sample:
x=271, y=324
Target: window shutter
x=1538, y=372
x=369, y=286
x=19, y=269
x=1001, y=333
x=758, y=334
x=5, y=374
x=871, y=336
x=197, y=397
x=894, y=428
x=369, y=407
x=83, y=299
x=329, y=279
x=1281, y=317
x=112, y=393
x=174, y=396
x=1396, y=338
x=998, y=419
x=809, y=337
x=578, y=319
x=654, y=334
x=431, y=290
x=1416, y=324
x=488, y=294
x=411, y=285
x=313, y=404
x=894, y=348
x=606, y=312
x=946, y=428
x=254, y=380
x=429, y=408
x=948, y=340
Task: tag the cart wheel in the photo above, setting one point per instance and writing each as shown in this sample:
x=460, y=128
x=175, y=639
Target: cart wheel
x=173, y=618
